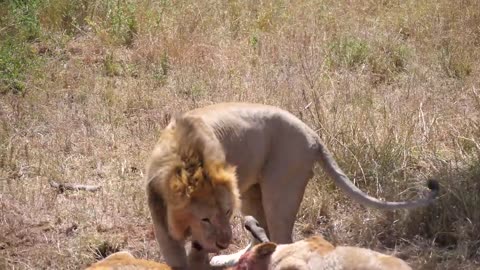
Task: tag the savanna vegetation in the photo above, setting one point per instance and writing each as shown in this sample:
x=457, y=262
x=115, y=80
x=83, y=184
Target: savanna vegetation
x=85, y=86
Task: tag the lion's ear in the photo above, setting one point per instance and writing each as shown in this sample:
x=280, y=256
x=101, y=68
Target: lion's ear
x=221, y=173
x=224, y=179
x=183, y=184
x=197, y=179
x=265, y=249
x=177, y=187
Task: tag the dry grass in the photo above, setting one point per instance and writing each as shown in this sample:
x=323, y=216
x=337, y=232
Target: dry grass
x=392, y=87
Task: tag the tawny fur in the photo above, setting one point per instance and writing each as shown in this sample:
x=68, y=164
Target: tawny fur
x=208, y=159
x=315, y=253
x=124, y=260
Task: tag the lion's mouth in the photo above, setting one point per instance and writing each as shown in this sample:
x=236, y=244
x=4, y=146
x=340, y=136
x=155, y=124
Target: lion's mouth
x=220, y=246
x=196, y=245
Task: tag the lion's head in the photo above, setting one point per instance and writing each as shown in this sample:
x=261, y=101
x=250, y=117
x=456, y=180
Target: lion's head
x=198, y=186
x=201, y=202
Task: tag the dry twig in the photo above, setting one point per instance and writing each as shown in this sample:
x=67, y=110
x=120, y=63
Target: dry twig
x=67, y=186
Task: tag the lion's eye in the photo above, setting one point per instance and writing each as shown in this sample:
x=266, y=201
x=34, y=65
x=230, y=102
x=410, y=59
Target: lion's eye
x=229, y=211
x=206, y=220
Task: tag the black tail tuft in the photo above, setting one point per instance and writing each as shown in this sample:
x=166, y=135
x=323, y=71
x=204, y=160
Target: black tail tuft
x=433, y=185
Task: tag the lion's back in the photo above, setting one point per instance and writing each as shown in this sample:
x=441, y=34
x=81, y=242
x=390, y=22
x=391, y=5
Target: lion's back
x=254, y=133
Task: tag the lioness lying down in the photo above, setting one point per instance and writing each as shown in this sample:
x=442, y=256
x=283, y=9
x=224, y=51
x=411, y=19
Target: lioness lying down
x=315, y=253
x=124, y=260
x=212, y=160
x=312, y=253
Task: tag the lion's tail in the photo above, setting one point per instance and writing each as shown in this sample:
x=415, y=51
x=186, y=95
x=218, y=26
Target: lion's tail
x=343, y=182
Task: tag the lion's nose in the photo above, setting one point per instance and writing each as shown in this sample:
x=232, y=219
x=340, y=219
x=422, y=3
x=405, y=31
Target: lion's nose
x=222, y=245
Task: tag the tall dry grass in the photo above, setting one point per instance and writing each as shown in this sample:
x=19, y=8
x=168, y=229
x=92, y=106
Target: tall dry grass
x=391, y=86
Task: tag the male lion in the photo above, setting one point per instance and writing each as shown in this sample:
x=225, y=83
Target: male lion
x=211, y=160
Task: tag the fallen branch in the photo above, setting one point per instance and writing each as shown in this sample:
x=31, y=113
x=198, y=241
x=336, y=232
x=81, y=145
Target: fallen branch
x=68, y=186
